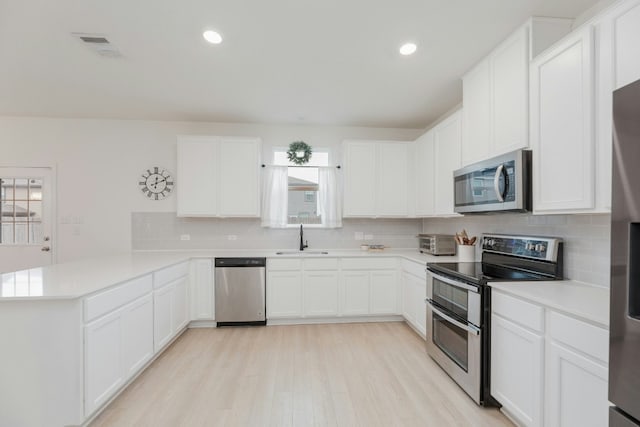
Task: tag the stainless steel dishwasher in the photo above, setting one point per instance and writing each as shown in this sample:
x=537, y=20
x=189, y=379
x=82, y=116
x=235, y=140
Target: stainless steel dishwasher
x=240, y=291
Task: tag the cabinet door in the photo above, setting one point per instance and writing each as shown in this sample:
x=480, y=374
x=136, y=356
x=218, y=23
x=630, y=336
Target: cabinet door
x=202, y=305
x=162, y=316
x=562, y=126
x=239, y=165
x=517, y=370
x=627, y=49
x=476, y=131
x=359, y=179
x=575, y=389
x=384, y=292
x=447, y=152
x=104, y=372
x=510, y=94
x=424, y=171
x=180, y=301
x=392, y=196
x=408, y=305
x=198, y=175
x=355, y=290
x=284, y=294
x=137, y=334
x=320, y=293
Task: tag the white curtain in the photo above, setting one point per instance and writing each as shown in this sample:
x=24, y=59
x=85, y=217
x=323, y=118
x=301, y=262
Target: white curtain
x=329, y=197
x=275, y=194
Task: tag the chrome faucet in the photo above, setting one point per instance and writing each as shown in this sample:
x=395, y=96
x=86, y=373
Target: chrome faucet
x=303, y=244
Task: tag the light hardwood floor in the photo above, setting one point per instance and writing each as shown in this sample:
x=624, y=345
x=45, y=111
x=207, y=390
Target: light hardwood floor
x=360, y=374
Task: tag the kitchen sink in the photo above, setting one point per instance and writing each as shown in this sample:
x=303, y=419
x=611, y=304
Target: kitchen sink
x=302, y=253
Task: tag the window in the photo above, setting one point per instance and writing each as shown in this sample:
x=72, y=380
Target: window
x=303, y=186
x=20, y=211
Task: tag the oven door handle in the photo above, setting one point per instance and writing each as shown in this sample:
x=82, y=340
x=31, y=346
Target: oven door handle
x=455, y=283
x=469, y=328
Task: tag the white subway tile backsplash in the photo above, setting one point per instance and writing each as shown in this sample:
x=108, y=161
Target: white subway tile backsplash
x=586, y=237
x=163, y=230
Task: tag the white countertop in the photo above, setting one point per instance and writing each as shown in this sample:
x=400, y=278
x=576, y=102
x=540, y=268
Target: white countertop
x=76, y=279
x=579, y=299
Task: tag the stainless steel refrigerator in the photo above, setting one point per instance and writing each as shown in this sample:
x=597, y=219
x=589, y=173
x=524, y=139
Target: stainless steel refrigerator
x=624, y=338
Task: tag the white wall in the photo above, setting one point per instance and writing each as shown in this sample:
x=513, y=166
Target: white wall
x=99, y=162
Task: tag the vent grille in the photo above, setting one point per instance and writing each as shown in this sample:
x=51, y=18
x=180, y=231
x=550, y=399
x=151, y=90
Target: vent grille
x=98, y=43
x=90, y=39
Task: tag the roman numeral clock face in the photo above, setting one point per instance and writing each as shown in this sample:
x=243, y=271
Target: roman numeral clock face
x=156, y=183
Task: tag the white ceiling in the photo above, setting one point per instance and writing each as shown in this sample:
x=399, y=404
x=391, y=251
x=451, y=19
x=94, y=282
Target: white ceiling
x=332, y=62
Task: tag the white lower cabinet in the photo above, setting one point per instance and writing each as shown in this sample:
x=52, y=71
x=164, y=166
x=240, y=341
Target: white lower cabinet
x=355, y=293
x=369, y=287
x=170, y=311
x=576, y=389
x=137, y=323
x=414, y=308
x=320, y=293
x=547, y=368
x=202, y=295
x=104, y=372
x=517, y=370
x=384, y=292
x=284, y=294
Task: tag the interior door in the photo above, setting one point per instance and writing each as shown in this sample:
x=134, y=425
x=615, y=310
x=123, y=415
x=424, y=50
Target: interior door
x=26, y=209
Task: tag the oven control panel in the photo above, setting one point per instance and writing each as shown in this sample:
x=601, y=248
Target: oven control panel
x=541, y=248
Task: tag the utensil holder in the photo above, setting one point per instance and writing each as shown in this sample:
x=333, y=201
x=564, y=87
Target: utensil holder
x=466, y=253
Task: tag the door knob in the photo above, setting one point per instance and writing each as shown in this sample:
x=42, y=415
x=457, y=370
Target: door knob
x=46, y=238
x=45, y=249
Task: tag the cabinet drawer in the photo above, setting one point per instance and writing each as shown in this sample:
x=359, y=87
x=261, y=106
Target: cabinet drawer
x=415, y=268
x=321, y=264
x=517, y=310
x=169, y=274
x=104, y=302
x=284, y=264
x=589, y=339
x=369, y=264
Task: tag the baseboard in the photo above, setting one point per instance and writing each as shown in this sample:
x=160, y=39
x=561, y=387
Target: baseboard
x=194, y=324
x=320, y=320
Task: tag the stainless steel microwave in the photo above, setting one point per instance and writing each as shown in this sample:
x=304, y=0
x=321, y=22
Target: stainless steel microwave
x=500, y=184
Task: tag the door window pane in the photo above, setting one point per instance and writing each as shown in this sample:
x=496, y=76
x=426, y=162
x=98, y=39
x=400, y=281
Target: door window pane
x=21, y=210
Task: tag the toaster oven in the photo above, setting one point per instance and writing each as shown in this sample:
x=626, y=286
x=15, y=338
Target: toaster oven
x=437, y=244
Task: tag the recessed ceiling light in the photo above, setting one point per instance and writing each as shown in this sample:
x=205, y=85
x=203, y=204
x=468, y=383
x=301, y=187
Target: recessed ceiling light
x=212, y=37
x=408, y=49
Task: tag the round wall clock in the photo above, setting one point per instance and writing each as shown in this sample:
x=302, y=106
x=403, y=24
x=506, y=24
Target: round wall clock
x=156, y=183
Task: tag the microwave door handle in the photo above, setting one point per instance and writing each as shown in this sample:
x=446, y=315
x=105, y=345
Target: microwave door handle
x=496, y=183
x=471, y=329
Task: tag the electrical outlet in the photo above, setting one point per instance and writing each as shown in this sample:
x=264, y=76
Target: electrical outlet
x=185, y=237
x=359, y=235
x=232, y=237
x=368, y=237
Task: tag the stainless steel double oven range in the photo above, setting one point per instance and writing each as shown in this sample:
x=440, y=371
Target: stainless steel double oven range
x=459, y=304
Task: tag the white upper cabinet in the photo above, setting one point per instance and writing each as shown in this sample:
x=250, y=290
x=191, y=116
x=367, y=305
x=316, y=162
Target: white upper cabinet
x=447, y=140
x=218, y=176
x=562, y=136
x=376, y=179
x=436, y=156
x=424, y=172
x=509, y=65
x=496, y=91
x=476, y=133
x=359, y=178
x=626, y=31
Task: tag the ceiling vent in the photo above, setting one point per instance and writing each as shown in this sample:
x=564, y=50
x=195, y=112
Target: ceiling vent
x=98, y=43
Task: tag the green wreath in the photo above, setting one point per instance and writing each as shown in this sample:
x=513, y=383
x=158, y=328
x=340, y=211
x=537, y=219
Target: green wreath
x=295, y=150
